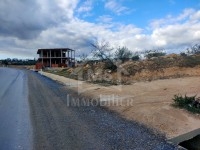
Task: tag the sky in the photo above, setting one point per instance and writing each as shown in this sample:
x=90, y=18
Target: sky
x=27, y=25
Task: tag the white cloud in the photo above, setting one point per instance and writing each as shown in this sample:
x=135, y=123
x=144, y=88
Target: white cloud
x=195, y=17
x=26, y=19
x=85, y=7
x=116, y=7
x=84, y=10
x=177, y=31
x=186, y=15
x=62, y=29
x=105, y=19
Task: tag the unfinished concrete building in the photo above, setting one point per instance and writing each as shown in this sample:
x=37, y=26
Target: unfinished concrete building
x=56, y=57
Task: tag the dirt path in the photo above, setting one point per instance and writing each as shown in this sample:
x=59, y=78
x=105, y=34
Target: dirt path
x=59, y=126
x=146, y=102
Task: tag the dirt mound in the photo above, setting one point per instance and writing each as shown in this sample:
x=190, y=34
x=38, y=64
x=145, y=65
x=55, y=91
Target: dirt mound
x=164, y=67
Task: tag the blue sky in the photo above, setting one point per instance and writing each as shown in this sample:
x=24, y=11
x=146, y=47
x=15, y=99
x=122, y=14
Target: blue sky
x=137, y=12
x=137, y=24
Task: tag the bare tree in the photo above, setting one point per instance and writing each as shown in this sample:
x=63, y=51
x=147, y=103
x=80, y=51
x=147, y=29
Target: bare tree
x=83, y=57
x=103, y=51
x=195, y=49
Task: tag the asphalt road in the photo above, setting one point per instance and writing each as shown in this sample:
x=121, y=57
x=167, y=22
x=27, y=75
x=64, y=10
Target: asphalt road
x=57, y=125
x=15, y=124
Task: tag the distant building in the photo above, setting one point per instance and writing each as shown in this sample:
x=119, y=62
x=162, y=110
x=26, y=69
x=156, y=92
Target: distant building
x=55, y=57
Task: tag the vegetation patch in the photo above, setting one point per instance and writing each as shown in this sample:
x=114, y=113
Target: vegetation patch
x=190, y=103
x=190, y=61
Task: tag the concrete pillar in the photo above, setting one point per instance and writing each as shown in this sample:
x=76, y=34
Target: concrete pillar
x=74, y=55
x=68, y=57
x=42, y=55
x=61, y=56
x=50, y=58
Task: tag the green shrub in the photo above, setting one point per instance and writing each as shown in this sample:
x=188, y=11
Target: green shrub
x=123, y=54
x=135, y=58
x=190, y=61
x=186, y=102
x=154, y=53
x=183, y=54
x=183, y=101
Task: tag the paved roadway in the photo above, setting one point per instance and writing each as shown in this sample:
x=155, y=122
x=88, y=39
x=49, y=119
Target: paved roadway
x=15, y=126
x=51, y=123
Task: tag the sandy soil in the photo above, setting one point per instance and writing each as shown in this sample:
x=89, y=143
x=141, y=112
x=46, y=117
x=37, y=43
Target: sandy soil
x=146, y=102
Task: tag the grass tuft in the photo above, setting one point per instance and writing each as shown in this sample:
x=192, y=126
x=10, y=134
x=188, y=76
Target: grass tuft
x=189, y=103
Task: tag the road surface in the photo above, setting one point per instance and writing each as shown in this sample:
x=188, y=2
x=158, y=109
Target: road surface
x=57, y=125
x=15, y=125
